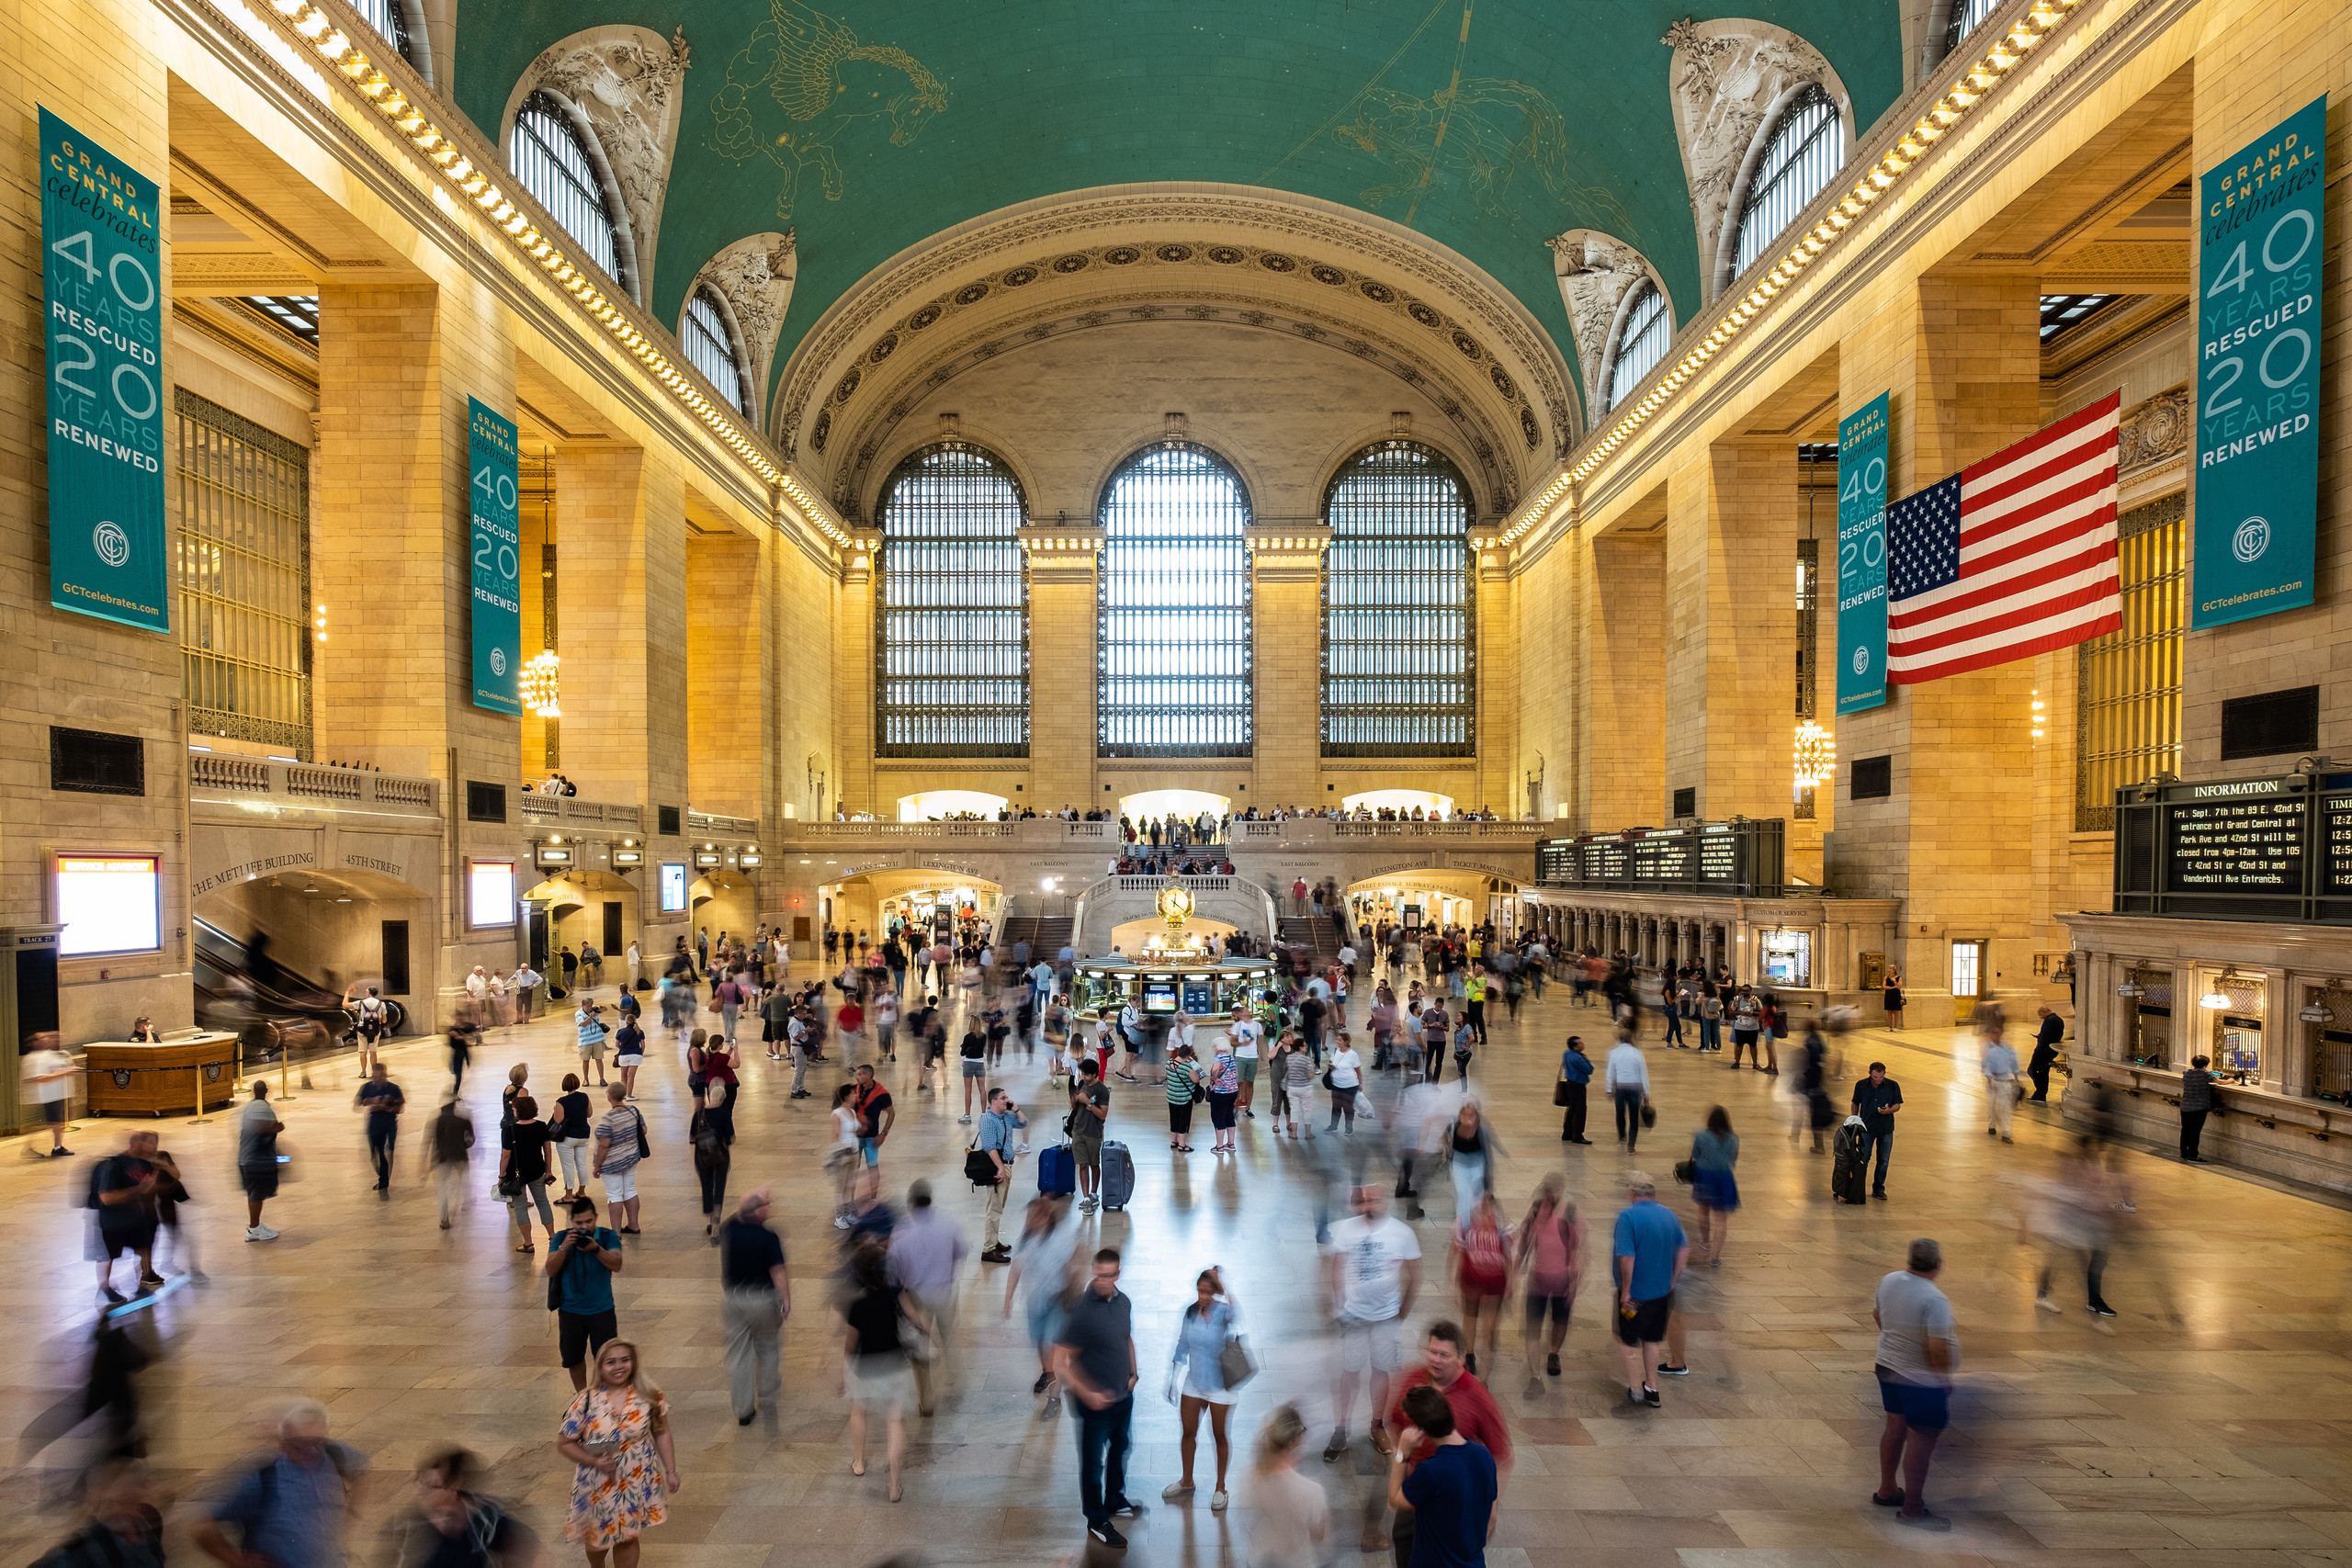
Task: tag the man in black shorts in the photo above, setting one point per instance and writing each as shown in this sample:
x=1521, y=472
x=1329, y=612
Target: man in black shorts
x=122, y=1189
x=1649, y=1252
x=586, y=1262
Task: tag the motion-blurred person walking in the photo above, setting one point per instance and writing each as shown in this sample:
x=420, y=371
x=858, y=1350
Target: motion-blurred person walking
x=755, y=1298
x=1372, y=1271
x=293, y=1510
x=125, y=1529
x=381, y=1101
x=452, y=1144
x=1551, y=1256
x=1714, y=1186
x=49, y=1073
x=1627, y=1081
x=451, y=1526
x=1094, y=1357
x=926, y=1248
x=122, y=1192
x=1290, y=1519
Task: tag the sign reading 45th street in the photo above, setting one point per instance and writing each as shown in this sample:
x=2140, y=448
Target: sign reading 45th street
x=495, y=540
x=102, y=306
x=2261, y=221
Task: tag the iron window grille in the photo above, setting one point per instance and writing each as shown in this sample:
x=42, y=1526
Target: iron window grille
x=548, y=156
x=296, y=313
x=1399, y=653
x=951, y=607
x=1807, y=148
x=1174, y=671
x=2128, y=681
x=711, y=349
x=2061, y=313
x=1967, y=16
x=1641, y=343
x=242, y=560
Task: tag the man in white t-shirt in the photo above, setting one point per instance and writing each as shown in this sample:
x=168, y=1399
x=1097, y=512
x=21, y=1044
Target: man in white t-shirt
x=1245, y=1034
x=1372, y=1269
x=49, y=1072
x=1918, y=1350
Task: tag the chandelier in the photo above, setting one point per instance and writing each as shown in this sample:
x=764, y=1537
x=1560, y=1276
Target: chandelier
x=539, y=686
x=1816, y=754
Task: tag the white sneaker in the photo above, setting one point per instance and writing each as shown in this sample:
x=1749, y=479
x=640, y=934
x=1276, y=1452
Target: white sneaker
x=2046, y=1304
x=841, y=1221
x=1217, y=1500
x=260, y=1233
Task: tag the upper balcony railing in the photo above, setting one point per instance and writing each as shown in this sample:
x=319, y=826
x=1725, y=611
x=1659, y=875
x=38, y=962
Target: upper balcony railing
x=216, y=778
x=1047, y=832
x=538, y=810
x=1309, y=830
x=699, y=823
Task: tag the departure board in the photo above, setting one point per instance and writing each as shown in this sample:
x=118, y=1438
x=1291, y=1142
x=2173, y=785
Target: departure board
x=1740, y=858
x=2237, y=846
x=2274, y=849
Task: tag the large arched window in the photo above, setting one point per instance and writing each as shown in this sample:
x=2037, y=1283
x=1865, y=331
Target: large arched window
x=551, y=159
x=1807, y=148
x=1645, y=329
x=951, y=618
x=1398, y=665
x=1967, y=16
x=391, y=18
x=1173, y=634
x=704, y=333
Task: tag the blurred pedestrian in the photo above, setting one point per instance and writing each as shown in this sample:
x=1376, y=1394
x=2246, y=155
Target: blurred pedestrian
x=584, y=1265
x=1574, y=1081
x=617, y=1432
x=451, y=1526
x=755, y=1298
x=1999, y=1064
x=122, y=1192
x=125, y=1529
x=1627, y=1081
x=1095, y=1359
x=453, y=1141
x=1471, y=1149
x=381, y=1101
x=1290, y=1519
x=1372, y=1270
x=2078, y=1225
x=1208, y=1325
x=1040, y=1275
x=1650, y=1252
x=1918, y=1350
x=1481, y=1259
x=1550, y=1254
x=1714, y=1156
x=294, y=1509
x=49, y=1072
x=257, y=1158
x=2048, y=1034
x=926, y=1250
x=874, y=1359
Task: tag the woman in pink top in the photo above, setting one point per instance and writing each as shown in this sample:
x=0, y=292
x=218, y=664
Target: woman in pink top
x=1551, y=1249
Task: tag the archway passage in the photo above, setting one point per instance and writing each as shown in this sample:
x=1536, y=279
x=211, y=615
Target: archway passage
x=941, y=805
x=1404, y=802
x=1187, y=803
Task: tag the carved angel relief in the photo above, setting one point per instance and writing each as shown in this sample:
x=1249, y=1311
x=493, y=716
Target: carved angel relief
x=1597, y=271
x=1724, y=79
x=626, y=80
x=754, y=276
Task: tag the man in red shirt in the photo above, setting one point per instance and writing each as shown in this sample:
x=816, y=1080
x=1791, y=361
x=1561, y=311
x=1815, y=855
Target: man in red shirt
x=1476, y=1416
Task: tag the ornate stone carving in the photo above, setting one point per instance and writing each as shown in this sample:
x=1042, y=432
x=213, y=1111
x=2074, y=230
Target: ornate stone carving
x=1597, y=271
x=754, y=276
x=1724, y=79
x=626, y=81
x=2155, y=431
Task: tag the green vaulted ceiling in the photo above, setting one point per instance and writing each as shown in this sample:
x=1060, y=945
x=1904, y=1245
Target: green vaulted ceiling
x=1488, y=127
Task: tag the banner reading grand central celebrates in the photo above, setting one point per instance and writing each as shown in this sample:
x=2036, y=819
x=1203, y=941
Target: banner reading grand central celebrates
x=102, y=303
x=495, y=540
x=2262, y=231
x=1861, y=557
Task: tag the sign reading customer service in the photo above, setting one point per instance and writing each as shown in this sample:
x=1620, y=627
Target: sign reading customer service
x=102, y=305
x=2262, y=228
x=496, y=542
x=1861, y=557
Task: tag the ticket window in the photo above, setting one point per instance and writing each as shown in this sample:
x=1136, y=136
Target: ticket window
x=2331, y=1064
x=2152, y=1028
x=1786, y=957
x=2237, y=1048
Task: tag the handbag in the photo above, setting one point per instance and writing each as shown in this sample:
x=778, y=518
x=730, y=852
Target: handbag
x=1327, y=1079
x=645, y=1145
x=1649, y=1113
x=1686, y=1171
x=980, y=1168
x=1559, y=1092
x=1233, y=1362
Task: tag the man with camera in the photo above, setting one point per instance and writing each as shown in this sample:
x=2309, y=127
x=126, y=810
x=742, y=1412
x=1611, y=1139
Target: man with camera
x=584, y=1265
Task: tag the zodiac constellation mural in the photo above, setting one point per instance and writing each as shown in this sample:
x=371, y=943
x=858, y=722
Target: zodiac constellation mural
x=803, y=90
x=1490, y=132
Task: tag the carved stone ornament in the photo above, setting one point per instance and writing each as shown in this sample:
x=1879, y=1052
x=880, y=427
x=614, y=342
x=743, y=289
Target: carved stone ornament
x=2155, y=431
x=626, y=81
x=754, y=276
x=1597, y=271
x=1724, y=80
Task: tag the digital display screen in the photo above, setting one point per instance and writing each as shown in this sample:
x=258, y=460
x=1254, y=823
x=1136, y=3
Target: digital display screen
x=490, y=892
x=1160, y=996
x=2238, y=846
x=107, y=904
x=674, y=888
x=1200, y=997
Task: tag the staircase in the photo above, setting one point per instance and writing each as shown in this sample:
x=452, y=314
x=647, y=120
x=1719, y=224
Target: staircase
x=1315, y=933
x=1045, y=936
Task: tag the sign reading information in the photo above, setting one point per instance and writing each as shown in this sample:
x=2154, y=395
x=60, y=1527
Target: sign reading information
x=497, y=537
x=1861, y=557
x=102, y=299
x=2257, y=373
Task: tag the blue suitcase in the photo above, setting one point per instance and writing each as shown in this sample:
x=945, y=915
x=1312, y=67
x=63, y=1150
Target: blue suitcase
x=1118, y=1175
x=1058, y=1170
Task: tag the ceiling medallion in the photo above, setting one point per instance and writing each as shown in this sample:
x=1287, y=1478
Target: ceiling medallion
x=971, y=294
x=1424, y=315
x=1019, y=277
x=1467, y=344
x=1273, y=261
x=1502, y=382
x=1378, y=293
x=1175, y=252
x=924, y=318
x=884, y=347
x=1327, y=274
x=1225, y=255
x=1122, y=256
x=848, y=384
x=1069, y=264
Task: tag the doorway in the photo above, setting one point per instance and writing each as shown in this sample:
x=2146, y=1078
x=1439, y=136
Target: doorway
x=612, y=927
x=1967, y=979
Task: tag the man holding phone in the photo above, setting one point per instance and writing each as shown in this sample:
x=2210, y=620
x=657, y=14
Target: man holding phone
x=584, y=1264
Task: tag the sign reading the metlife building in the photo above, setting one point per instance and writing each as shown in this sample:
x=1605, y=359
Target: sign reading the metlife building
x=102, y=299
x=496, y=542
x=1861, y=557
x=2257, y=373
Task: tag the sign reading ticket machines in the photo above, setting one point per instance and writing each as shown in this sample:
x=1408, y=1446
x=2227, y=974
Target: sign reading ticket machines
x=1861, y=557
x=2261, y=226
x=102, y=302
x=496, y=541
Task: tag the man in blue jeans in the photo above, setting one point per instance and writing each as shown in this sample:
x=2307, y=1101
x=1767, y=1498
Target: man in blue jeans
x=1095, y=1359
x=1876, y=1100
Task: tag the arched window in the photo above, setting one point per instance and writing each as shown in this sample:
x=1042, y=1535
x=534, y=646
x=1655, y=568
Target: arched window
x=1396, y=608
x=548, y=156
x=1966, y=16
x=390, y=19
x=710, y=348
x=1173, y=604
x=1648, y=327
x=1807, y=148
x=951, y=609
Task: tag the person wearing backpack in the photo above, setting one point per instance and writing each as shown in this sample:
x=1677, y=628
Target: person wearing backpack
x=294, y=1509
x=451, y=1527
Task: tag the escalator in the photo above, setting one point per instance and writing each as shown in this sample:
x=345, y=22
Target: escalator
x=243, y=990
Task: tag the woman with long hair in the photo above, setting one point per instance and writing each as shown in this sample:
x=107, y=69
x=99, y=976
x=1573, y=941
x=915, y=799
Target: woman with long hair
x=1289, y=1517
x=1480, y=1256
x=617, y=1432
x=1470, y=1148
x=876, y=1373
x=1208, y=1322
x=1715, y=1151
x=1550, y=1253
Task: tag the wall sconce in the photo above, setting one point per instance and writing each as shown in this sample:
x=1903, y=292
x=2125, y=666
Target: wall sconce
x=1816, y=755
x=540, y=684
x=2215, y=997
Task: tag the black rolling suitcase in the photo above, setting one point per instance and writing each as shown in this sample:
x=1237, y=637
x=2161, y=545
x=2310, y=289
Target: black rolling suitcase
x=1846, y=1167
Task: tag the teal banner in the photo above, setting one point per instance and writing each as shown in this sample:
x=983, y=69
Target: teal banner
x=1861, y=557
x=2262, y=226
x=497, y=539
x=102, y=297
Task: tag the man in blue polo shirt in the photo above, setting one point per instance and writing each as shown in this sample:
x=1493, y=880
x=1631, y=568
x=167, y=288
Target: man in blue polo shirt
x=1650, y=1251
x=588, y=1257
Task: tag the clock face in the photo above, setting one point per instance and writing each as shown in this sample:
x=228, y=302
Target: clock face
x=1175, y=904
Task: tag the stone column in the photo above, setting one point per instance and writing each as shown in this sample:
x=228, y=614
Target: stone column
x=1063, y=561
x=621, y=526
x=852, y=674
x=1499, y=687
x=728, y=746
x=1621, y=621
x=1286, y=682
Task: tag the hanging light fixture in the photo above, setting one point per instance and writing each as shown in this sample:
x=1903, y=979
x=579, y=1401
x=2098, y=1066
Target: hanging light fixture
x=2039, y=713
x=1816, y=755
x=540, y=685
x=2216, y=996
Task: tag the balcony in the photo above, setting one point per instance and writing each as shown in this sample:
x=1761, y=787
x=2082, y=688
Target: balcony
x=1318, y=829
x=234, y=787
x=572, y=811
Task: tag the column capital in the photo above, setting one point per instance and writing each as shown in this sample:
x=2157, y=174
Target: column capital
x=1061, y=552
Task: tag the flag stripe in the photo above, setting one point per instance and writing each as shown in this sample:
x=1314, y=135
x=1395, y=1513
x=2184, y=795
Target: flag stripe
x=2091, y=585
x=2049, y=579
x=2021, y=559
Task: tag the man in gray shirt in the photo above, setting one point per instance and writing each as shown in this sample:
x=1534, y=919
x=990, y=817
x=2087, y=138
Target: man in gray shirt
x=1095, y=1359
x=1918, y=1350
x=257, y=1129
x=925, y=1251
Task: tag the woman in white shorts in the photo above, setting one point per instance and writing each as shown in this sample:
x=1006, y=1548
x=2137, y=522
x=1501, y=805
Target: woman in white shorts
x=1200, y=1336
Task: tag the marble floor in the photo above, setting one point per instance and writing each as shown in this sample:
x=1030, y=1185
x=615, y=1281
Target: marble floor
x=2209, y=1427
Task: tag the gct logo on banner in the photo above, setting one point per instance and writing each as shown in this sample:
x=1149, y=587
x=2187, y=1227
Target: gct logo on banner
x=2261, y=221
x=496, y=540
x=1861, y=557
x=104, y=314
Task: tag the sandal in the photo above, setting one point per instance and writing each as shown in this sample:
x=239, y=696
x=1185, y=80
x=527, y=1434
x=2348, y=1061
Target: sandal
x=855, y=1470
x=527, y=1246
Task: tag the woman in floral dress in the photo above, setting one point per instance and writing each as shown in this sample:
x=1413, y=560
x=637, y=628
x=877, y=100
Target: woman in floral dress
x=617, y=1432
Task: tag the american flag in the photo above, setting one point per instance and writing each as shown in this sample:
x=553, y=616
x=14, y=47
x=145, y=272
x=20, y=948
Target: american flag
x=2009, y=557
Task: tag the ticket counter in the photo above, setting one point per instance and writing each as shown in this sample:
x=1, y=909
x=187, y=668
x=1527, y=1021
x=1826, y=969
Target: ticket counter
x=129, y=1078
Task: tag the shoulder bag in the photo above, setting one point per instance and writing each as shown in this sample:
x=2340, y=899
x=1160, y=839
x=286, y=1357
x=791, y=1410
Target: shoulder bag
x=980, y=1168
x=1234, y=1364
x=645, y=1145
